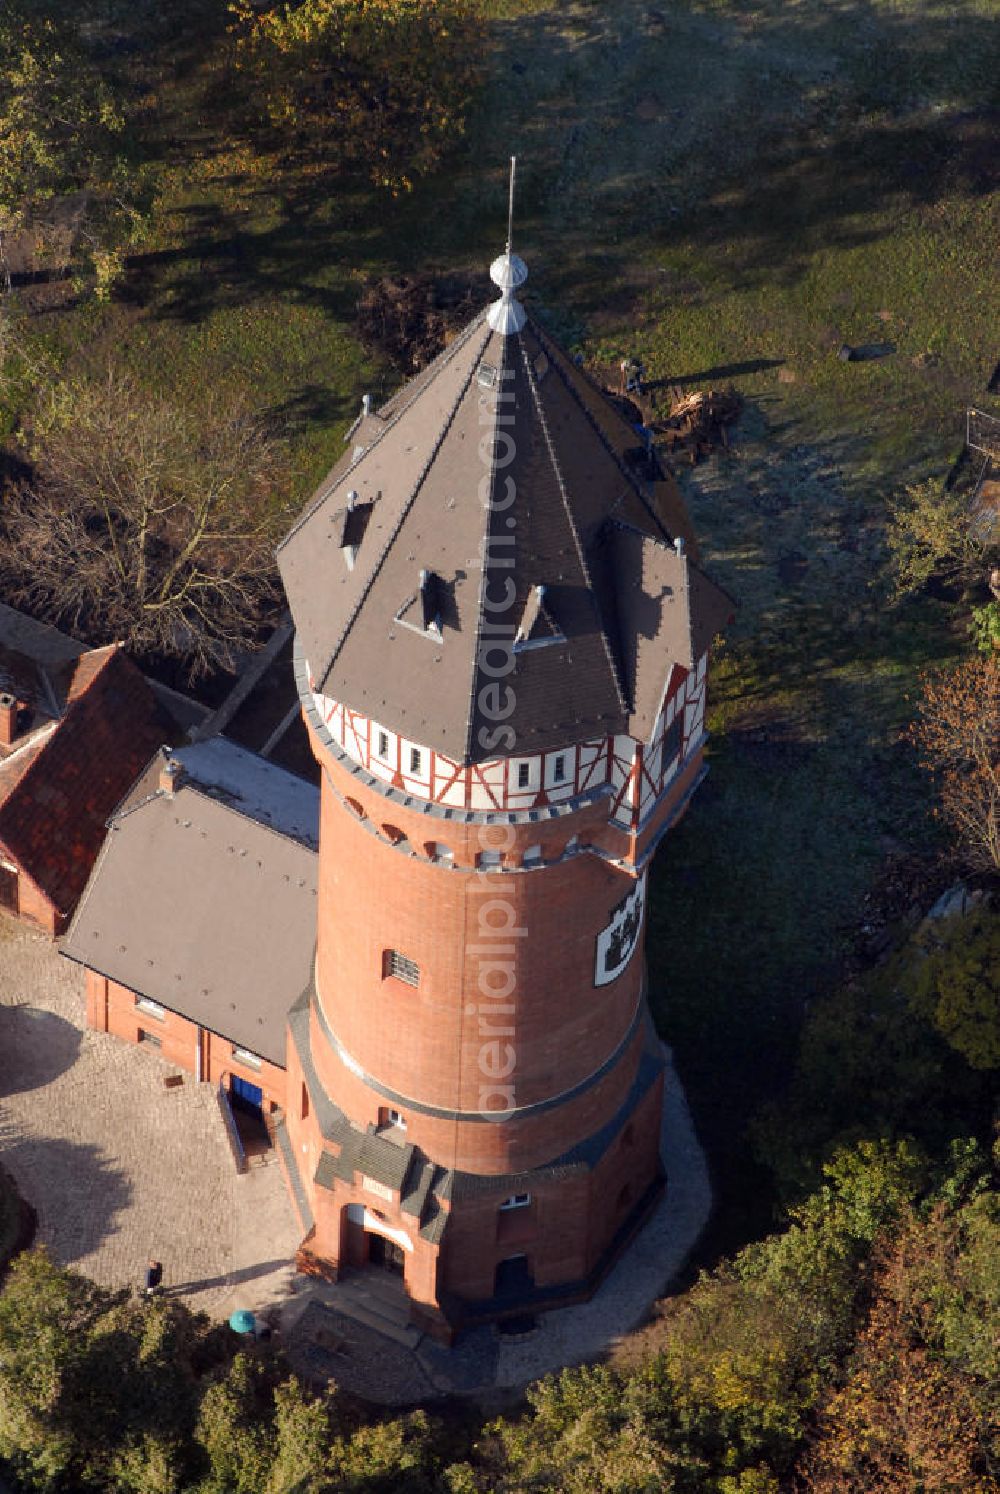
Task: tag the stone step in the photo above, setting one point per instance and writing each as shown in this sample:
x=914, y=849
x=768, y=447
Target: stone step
x=388, y=1315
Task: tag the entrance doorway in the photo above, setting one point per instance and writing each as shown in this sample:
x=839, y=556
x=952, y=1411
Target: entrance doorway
x=247, y=1103
x=513, y=1277
x=246, y=1095
x=385, y=1254
x=8, y=889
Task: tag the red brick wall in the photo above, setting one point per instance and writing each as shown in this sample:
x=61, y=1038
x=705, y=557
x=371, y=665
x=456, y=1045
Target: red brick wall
x=34, y=907
x=445, y=1043
x=112, y=1008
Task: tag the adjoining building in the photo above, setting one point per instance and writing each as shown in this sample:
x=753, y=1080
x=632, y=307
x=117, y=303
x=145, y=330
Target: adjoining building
x=198, y=924
x=502, y=650
x=76, y=726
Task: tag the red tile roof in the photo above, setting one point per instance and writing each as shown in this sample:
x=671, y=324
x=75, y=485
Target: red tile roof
x=53, y=817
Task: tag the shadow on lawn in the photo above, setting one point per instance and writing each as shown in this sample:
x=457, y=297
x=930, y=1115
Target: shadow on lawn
x=847, y=135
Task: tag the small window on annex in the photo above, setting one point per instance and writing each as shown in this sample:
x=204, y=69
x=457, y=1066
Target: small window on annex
x=396, y=964
x=559, y=770
x=516, y=1201
x=383, y=744
x=415, y=759
x=523, y=775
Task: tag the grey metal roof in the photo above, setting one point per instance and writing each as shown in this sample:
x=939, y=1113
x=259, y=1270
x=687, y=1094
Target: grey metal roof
x=175, y=907
x=560, y=475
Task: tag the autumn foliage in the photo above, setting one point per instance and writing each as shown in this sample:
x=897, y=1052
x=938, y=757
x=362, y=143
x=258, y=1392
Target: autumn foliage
x=379, y=84
x=957, y=735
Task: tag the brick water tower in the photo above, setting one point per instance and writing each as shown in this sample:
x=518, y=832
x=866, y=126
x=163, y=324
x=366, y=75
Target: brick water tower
x=502, y=641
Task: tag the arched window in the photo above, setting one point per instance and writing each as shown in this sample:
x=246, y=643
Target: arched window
x=355, y=808
x=393, y=834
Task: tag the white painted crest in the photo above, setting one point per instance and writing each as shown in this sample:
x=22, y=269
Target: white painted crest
x=619, y=940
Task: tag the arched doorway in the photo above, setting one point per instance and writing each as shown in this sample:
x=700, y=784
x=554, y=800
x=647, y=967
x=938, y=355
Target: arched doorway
x=369, y=1242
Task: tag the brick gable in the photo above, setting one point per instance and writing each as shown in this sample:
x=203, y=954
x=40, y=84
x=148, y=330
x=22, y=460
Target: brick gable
x=52, y=820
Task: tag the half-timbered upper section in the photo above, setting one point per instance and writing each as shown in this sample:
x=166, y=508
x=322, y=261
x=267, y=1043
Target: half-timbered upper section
x=498, y=577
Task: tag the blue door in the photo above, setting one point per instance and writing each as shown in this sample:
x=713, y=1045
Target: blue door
x=249, y=1096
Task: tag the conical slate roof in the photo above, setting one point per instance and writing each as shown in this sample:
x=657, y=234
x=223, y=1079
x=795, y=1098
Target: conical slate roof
x=498, y=548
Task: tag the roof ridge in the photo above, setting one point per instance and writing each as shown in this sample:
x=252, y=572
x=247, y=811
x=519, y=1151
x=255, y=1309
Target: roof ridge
x=484, y=558
x=446, y=425
x=581, y=555
x=444, y=356
x=630, y=478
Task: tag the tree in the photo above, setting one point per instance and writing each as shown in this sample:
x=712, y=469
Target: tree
x=383, y=84
x=985, y=627
x=46, y=1316
x=955, y=987
x=957, y=736
x=918, y=1406
x=66, y=172
x=146, y=523
x=931, y=533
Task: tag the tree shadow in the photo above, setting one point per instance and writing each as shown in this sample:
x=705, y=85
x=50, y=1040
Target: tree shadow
x=719, y=371
x=37, y=1045
x=76, y=1193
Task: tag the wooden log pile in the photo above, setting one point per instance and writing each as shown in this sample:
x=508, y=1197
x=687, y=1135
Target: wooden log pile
x=697, y=422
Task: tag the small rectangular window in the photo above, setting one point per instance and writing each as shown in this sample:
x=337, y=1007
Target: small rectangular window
x=559, y=771
x=672, y=740
x=523, y=774
x=399, y=966
x=516, y=1201
x=150, y=1008
x=414, y=759
x=383, y=744
x=244, y=1056
x=149, y=1038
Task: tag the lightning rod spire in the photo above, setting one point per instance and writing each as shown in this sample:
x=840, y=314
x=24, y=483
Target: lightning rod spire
x=508, y=272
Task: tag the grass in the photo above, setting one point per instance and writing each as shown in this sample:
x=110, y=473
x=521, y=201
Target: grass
x=731, y=191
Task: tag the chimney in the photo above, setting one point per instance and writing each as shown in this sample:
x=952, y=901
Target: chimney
x=8, y=718
x=172, y=775
x=679, y=545
x=366, y=404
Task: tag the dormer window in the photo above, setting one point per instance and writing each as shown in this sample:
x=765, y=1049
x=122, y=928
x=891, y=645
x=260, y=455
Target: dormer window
x=348, y=526
x=423, y=611
x=537, y=627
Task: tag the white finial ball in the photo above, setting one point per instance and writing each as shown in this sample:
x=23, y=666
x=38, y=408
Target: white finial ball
x=508, y=271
